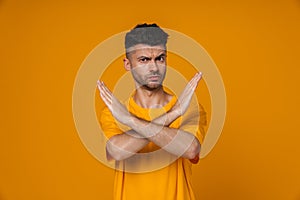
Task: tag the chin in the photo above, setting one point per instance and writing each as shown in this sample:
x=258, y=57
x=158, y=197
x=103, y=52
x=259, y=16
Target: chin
x=152, y=86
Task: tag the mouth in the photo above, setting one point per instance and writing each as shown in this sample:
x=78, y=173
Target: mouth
x=154, y=78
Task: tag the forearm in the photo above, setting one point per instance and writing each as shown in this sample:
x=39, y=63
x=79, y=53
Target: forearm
x=175, y=141
x=167, y=118
x=125, y=145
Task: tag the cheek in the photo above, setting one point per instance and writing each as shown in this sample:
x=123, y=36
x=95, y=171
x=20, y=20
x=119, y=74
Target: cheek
x=142, y=68
x=162, y=69
x=139, y=70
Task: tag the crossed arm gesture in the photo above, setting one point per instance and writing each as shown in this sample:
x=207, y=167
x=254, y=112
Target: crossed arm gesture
x=122, y=146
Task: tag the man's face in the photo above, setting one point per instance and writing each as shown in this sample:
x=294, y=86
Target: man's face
x=147, y=65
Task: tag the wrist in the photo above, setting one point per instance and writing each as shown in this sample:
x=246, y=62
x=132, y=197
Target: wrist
x=174, y=113
x=133, y=122
x=169, y=117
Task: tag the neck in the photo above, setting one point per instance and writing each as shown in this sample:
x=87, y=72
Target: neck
x=156, y=98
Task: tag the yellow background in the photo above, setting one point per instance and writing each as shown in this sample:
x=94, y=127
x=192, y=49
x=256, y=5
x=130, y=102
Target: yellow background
x=255, y=44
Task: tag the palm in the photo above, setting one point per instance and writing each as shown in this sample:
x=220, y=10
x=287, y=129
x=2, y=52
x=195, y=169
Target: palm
x=185, y=97
x=117, y=109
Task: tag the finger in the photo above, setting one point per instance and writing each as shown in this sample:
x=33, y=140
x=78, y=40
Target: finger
x=102, y=89
x=108, y=94
x=105, y=95
x=106, y=90
x=105, y=99
x=195, y=80
x=199, y=76
x=98, y=85
x=102, y=94
x=112, y=99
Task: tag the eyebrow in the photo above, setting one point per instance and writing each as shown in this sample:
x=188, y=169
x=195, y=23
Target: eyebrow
x=141, y=57
x=161, y=55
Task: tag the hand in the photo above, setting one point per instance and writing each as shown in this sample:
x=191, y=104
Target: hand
x=185, y=97
x=117, y=109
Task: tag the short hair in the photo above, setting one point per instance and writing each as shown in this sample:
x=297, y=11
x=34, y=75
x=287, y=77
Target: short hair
x=149, y=34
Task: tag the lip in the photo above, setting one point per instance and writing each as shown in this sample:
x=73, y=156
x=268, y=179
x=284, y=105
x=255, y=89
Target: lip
x=153, y=78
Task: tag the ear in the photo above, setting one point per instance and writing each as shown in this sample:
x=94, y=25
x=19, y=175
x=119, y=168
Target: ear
x=127, y=64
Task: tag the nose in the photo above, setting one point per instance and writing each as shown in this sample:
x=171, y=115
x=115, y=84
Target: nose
x=153, y=66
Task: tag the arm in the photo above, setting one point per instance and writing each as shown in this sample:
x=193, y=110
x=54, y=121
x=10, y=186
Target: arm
x=125, y=145
x=174, y=141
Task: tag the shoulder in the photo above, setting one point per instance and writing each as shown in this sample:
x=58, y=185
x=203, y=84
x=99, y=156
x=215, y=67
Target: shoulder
x=108, y=124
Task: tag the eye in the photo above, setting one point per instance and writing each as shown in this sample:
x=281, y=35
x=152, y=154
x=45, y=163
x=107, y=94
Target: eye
x=143, y=60
x=160, y=59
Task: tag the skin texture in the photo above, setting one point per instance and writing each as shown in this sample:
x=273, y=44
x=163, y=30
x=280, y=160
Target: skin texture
x=148, y=67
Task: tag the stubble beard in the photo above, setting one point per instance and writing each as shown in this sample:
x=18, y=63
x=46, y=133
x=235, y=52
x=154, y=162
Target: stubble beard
x=146, y=83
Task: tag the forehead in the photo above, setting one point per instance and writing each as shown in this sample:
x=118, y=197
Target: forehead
x=144, y=49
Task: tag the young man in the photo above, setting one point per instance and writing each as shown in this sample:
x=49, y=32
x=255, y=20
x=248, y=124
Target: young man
x=150, y=133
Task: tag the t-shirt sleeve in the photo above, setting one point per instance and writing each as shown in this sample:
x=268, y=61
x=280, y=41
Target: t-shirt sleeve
x=108, y=124
x=202, y=123
x=194, y=121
